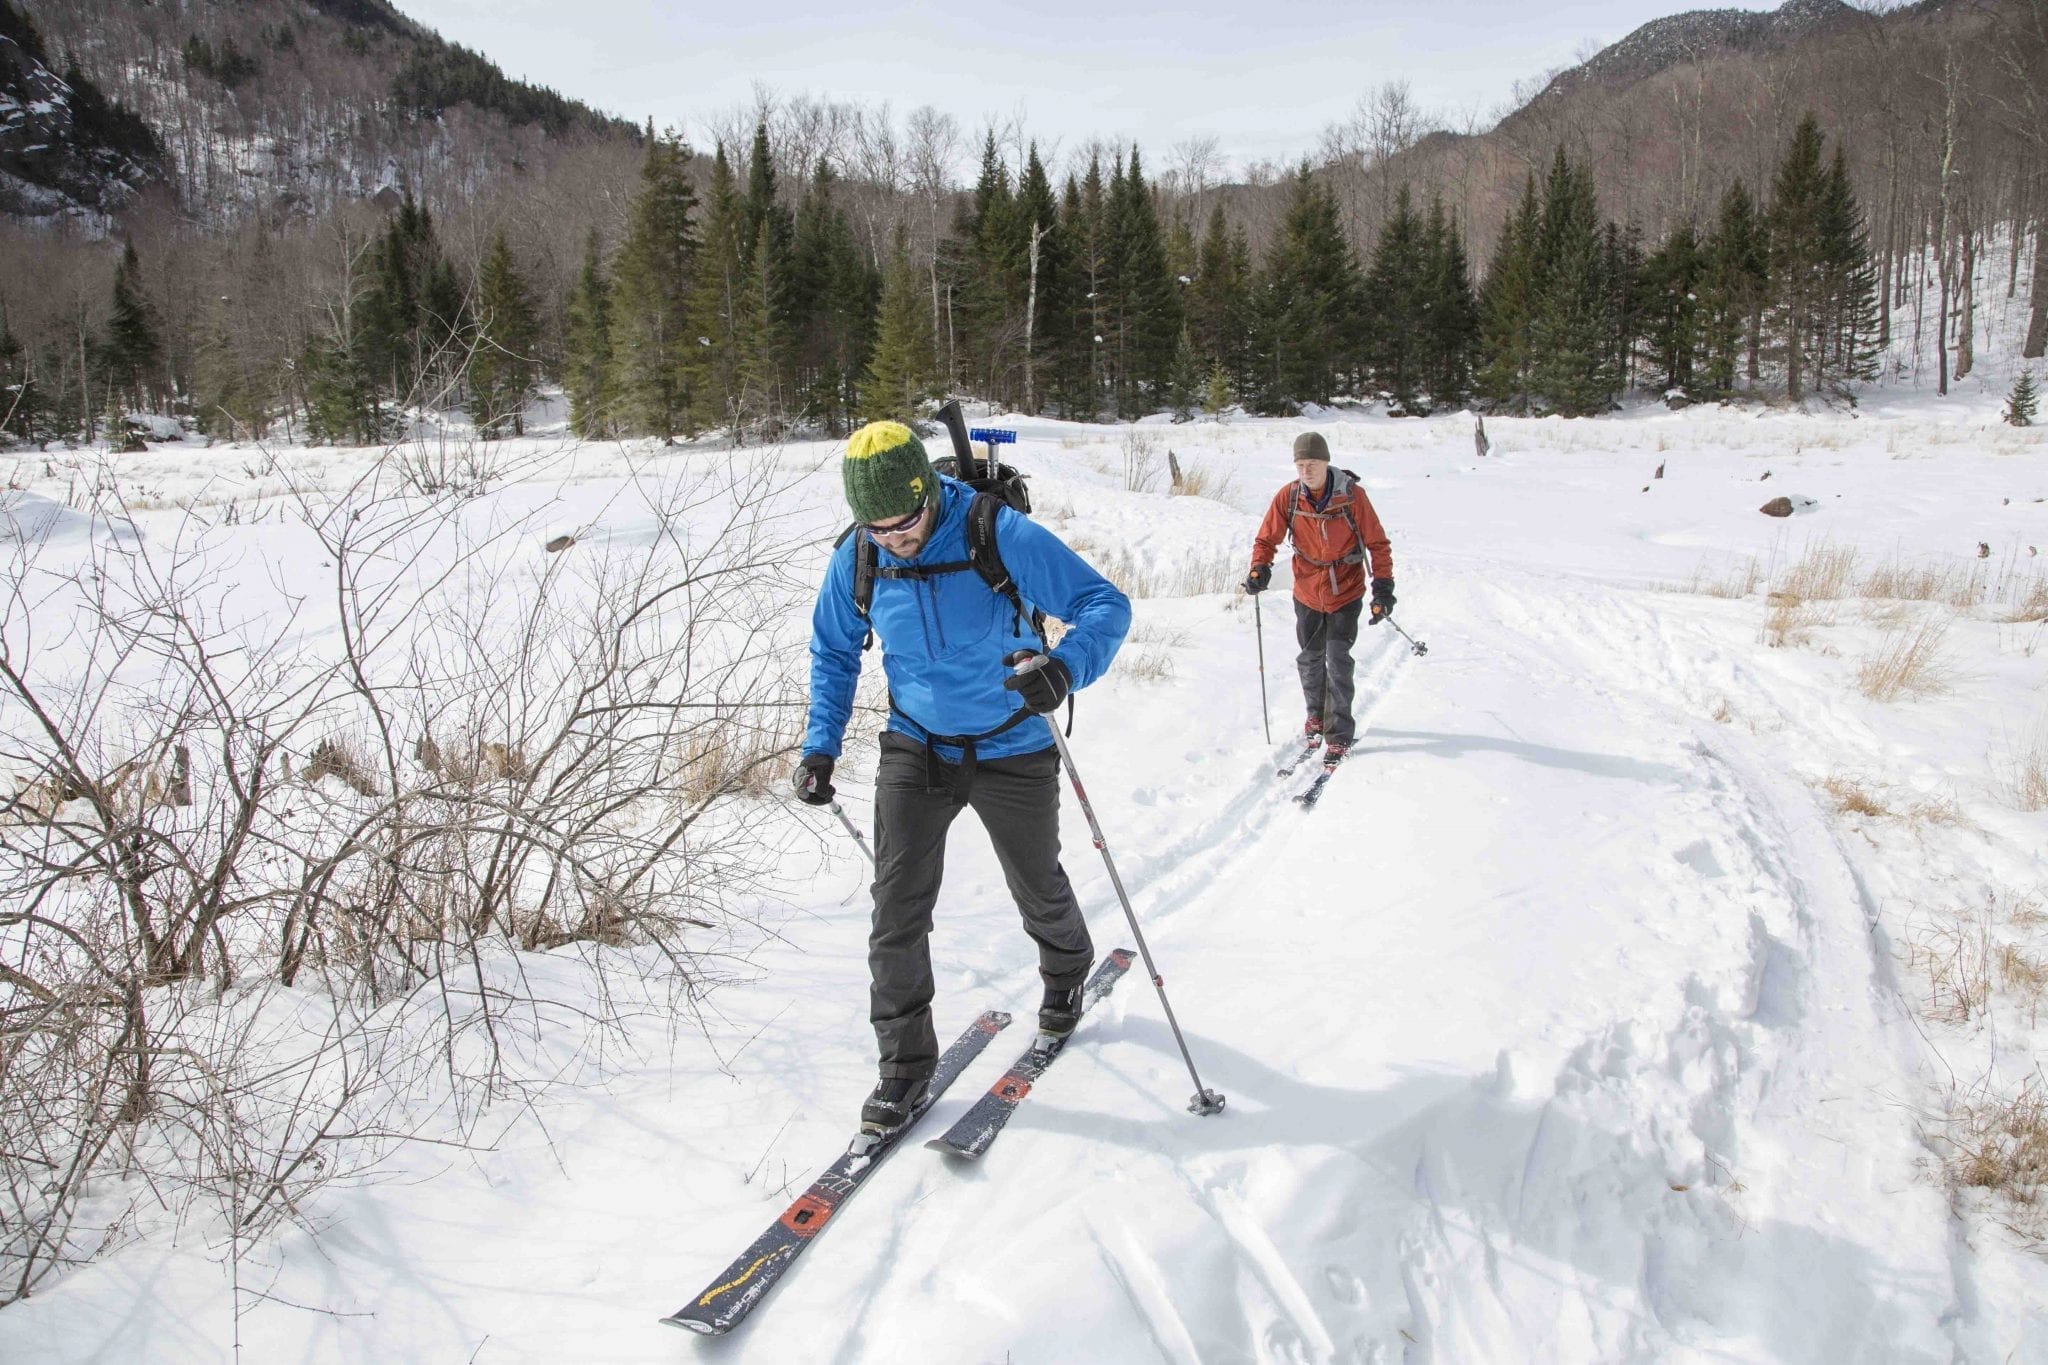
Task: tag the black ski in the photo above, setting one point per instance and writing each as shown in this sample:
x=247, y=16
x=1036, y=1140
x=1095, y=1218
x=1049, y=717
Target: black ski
x=1314, y=792
x=1293, y=758
x=747, y=1280
x=975, y=1131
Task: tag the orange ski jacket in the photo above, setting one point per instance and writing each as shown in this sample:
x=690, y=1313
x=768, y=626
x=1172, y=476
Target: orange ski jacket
x=1331, y=547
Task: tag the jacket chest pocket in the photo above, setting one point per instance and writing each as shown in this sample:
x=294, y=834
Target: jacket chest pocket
x=936, y=617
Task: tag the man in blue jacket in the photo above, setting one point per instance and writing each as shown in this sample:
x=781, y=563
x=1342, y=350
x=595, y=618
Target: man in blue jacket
x=964, y=729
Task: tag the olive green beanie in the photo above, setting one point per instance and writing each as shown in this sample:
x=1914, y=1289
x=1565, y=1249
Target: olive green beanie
x=886, y=472
x=1310, y=445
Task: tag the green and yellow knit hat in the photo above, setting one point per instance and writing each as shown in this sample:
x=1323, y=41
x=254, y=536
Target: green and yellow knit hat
x=887, y=473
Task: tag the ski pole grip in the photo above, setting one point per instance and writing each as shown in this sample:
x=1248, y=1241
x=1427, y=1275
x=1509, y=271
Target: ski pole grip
x=1024, y=660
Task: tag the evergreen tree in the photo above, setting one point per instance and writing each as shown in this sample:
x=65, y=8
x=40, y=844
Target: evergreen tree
x=1149, y=296
x=2021, y=402
x=989, y=260
x=1451, y=326
x=1309, y=290
x=502, y=371
x=720, y=306
x=1217, y=298
x=1571, y=324
x=1397, y=299
x=411, y=331
x=1672, y=312
x=1847, y=336
x=586, y=347
x=1507, y=304
x=134, y=350
x=1184, y=387
x=904, y=369
x=767, y=239
x=1734, y=283
x=1218, y=394
x=832, y=295
x=1051, y=294
x=650, y=296
x=1075, y=363
x=1621, y=271
x=230, y=396
x=1799, y=267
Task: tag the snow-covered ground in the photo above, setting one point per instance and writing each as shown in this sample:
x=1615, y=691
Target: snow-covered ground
x=1585, y=1019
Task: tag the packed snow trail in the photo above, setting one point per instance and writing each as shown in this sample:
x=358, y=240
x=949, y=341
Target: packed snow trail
x=1556, y=1034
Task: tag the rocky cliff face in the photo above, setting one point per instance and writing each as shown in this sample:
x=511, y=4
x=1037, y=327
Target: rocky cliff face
x=65, y=151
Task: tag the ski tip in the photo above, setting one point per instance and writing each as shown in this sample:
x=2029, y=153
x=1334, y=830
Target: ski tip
x=697, y=1325
x=1122, y=957
x=939, y=1144
x=992, y=1021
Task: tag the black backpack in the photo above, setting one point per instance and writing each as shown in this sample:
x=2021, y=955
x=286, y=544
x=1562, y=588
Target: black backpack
x=995, y=486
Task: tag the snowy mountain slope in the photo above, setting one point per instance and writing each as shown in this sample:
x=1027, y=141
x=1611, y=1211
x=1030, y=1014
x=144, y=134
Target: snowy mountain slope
x=1574, y=1024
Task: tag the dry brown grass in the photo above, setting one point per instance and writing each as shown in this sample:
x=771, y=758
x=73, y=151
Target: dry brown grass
x=1956, y=955
x=735, y=755
x=341, y=756
x=1736, y=582
x=1201, y=481
x=1853, y=796
x=1822, y=574
x=2001, y=1145
x=1908, y=663
x=1899, y=581
x=2026, y=777
x=1791, y=621
x=2030, y=603
x=1191, y=574
x=1147, y=663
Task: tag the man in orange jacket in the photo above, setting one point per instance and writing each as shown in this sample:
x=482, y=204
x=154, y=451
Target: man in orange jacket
x=1335, y=531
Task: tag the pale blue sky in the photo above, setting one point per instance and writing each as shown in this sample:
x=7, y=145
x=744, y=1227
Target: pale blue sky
x=1263, y=78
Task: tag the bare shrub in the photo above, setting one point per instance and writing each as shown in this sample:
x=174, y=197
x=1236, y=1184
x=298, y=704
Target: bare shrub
x=1908, y=663
x=1147, y=663
x=1731, y=582
x=1140, y=460
x=597, y=718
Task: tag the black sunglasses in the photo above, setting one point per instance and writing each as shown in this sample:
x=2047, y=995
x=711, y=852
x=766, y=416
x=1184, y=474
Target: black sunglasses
x=898, y=526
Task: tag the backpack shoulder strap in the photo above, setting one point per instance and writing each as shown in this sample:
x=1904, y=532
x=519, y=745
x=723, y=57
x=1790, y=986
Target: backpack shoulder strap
x=987, y=559
x=863, y=576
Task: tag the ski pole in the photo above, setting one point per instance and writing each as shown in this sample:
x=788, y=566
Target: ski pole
x=1420, y=648
x=1265, y=707
x=854, y=830
x=1205, y=1101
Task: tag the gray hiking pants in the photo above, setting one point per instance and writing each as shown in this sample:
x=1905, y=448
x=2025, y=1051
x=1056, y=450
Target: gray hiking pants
x=1326, y=638
x=916, y=798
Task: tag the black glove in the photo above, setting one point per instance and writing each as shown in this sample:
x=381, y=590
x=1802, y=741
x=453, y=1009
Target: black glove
x=1259, y=579
x=1382, y=600
x=813, y=780
x=1041, y=686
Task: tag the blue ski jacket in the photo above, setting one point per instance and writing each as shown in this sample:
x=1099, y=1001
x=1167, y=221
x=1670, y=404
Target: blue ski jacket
x=943, y=638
